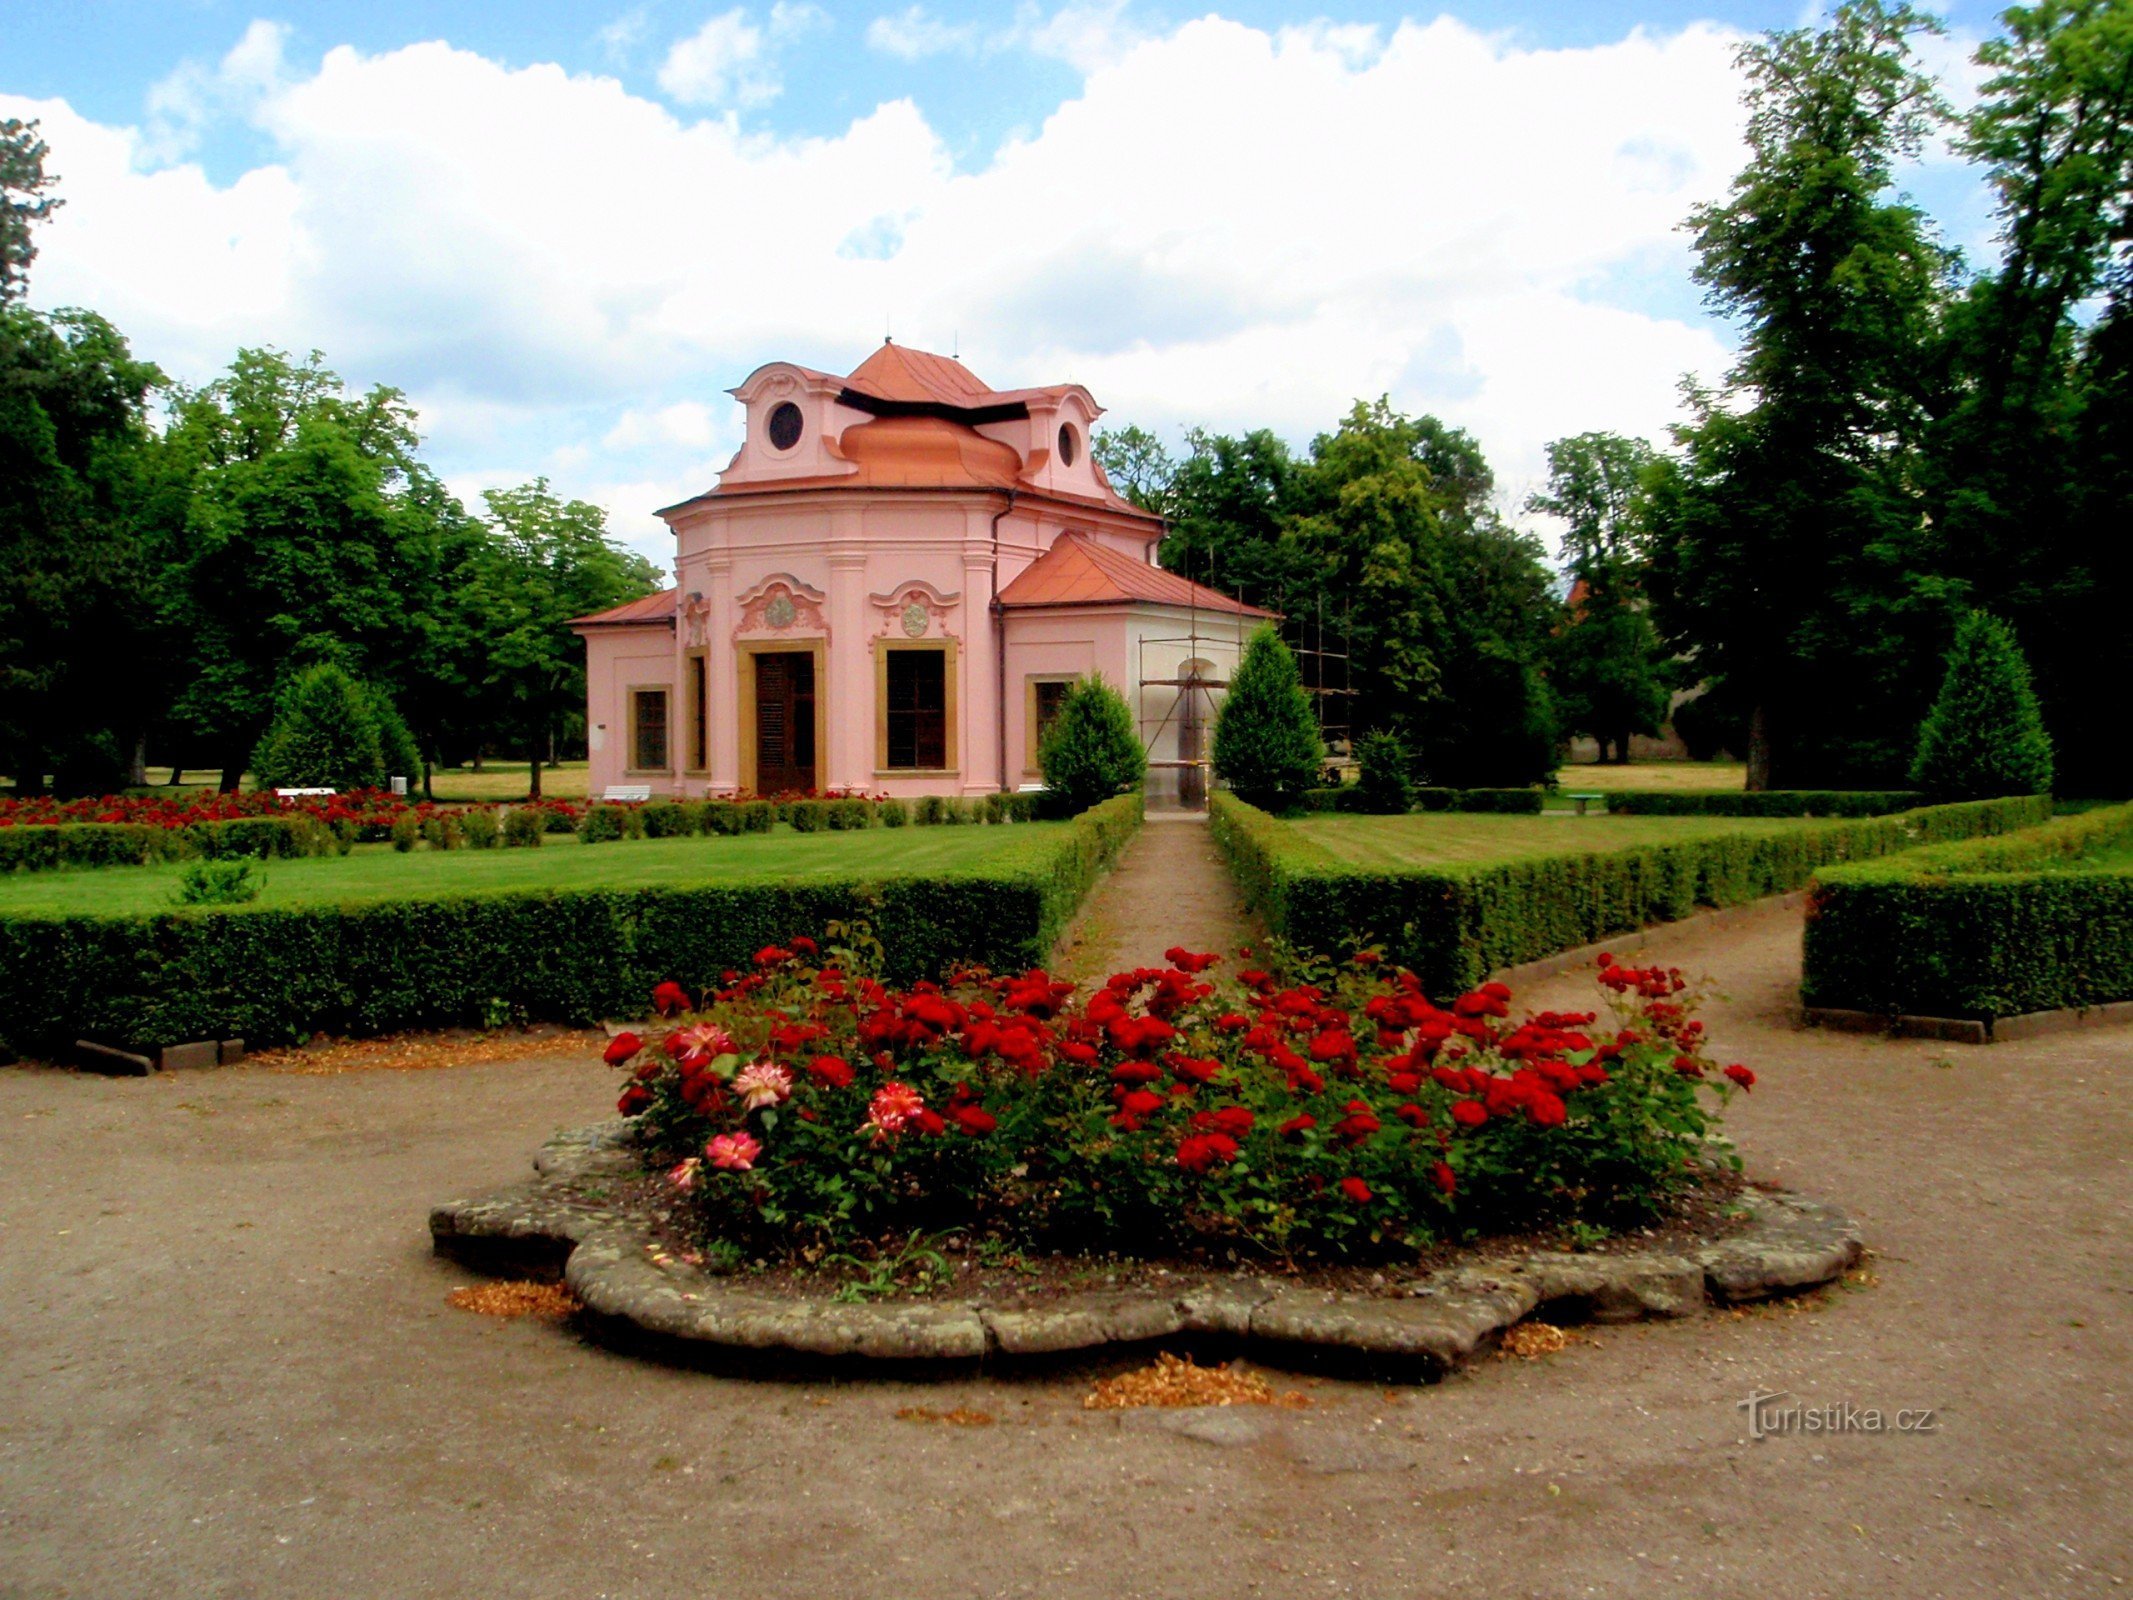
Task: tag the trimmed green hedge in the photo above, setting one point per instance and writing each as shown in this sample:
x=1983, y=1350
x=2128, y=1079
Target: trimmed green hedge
x=1991, y=929
x=571, y=955
x=1457, y=923
x=1763, y=802
x=44, y=847
x=1353, y=798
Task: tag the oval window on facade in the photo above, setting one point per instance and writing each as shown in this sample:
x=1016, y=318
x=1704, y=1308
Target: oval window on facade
x=785, y=425
x=1069, y=444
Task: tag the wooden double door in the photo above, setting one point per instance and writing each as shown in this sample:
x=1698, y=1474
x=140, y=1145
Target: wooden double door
x=785, y=722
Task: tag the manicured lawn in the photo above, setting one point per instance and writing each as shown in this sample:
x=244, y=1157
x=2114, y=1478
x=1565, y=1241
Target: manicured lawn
x=378, y=872
x=1447, y=838
x=1655, y=775
x=507, y=780
x=2111, y=858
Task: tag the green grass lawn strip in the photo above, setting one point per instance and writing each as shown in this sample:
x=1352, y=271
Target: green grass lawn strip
x=377, y=873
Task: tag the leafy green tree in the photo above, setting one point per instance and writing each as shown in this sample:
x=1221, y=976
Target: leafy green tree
x=1985, y=735
x=1596, y=488
x=75, y=585
x=1138, y=466
x=1091, y=751
x=1229, y=502
x=1787, y=560
x=1266, y=743
x=24, y=202
x=1606, y=664
x=301, y=528
x=551, y=560
x=2010, y=464
x=2094, y=756
x=324, y=734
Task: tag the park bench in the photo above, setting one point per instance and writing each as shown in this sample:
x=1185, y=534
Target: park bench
x=1582, y=800
x=617, y=793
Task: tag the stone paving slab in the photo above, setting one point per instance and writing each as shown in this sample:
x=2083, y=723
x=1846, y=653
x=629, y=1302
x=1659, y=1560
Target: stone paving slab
x=1431, y=1326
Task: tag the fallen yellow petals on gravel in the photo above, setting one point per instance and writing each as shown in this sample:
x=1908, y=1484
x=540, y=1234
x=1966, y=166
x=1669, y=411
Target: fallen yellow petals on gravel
x=421, y=1052
x=1177, y=1381
x=959, y=1417
x=1529, y=1341
x=516, y=1298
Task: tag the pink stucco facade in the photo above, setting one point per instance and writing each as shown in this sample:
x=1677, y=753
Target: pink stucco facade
x=903, y=510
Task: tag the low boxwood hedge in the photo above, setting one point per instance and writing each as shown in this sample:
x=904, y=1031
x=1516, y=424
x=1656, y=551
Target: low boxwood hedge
x=1992, y=929
x=572, y=955
x=44, y=847
x=1457, y=923
x=1763, y=802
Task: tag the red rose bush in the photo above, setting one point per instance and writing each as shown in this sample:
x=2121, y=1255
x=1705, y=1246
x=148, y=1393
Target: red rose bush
x=805, y=1105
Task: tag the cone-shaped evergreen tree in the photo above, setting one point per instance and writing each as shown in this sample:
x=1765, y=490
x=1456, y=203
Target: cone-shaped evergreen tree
x=1984, y=735
x=324, y=735
x=1090, y=752
x=1266, y=739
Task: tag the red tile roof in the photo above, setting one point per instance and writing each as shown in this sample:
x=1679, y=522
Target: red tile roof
x=898, y=372
x=653, y=608
x=1078, y=571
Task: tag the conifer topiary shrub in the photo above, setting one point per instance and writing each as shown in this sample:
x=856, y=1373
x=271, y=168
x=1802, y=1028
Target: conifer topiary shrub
x=401, y=755
x=324, y=735
x=1384, y=786
x=1091, y=751
x=1266, y=738
x=1985, y=735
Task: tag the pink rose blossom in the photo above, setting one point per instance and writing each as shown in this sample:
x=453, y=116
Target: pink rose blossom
x=762, y=1083
x=707, y=1038
x=893, y=1105
x=733, y=1152
x=683, y=1176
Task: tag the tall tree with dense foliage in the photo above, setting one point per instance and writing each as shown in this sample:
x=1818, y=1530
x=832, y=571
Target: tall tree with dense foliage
x=1787, y=559
x=25, y=201
x=1266, y=744
x=1137, y=465
x=1985, y=735
x=1446, y=611
x=1606, y=664
x=551, y=561
x=2007, y=472
x=1229, y=503
x=307, y=532
x=76, y=629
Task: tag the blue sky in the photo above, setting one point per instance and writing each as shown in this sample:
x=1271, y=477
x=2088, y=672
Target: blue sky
x=566, y=229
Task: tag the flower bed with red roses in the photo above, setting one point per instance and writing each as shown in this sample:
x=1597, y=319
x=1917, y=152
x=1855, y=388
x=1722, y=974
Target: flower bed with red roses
x=805, y=1107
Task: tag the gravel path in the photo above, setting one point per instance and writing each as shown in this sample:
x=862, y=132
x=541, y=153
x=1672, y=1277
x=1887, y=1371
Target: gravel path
x=229, y=1371
x=1168, y=887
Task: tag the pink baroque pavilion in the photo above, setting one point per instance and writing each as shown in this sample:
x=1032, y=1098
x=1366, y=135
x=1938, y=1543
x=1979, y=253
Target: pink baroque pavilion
x=890, y=589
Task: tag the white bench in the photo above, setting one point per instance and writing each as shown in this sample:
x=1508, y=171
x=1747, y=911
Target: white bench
x=303, y=794
x=1583, y=800
x=619, y=793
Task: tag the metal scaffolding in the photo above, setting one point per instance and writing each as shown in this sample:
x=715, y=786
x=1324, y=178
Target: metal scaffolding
x=1325, y=671
x=1322, y=660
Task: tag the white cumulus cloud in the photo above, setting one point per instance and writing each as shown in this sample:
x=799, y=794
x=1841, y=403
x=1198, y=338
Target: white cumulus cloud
x=915, y=33
x=721, y=63
x=1226, y=225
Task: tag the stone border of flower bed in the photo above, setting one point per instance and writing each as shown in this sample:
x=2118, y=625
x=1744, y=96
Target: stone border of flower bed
x=1971, y=1030
x=612, y=1263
